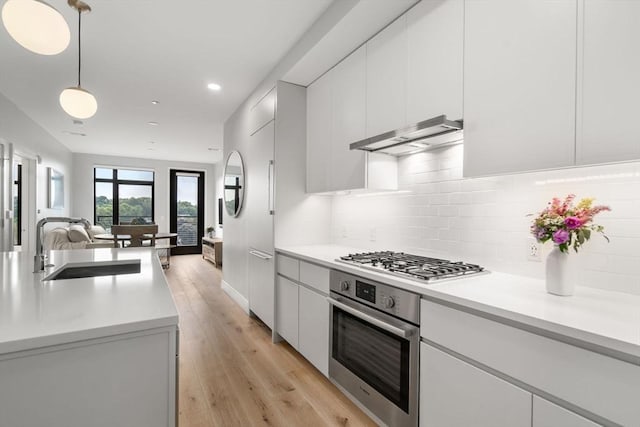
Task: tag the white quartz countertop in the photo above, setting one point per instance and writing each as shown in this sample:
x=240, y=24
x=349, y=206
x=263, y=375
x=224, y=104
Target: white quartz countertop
x=36, y=313
x=598, y=318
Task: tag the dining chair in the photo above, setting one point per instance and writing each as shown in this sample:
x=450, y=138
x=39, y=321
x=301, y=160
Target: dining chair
x=138, y=233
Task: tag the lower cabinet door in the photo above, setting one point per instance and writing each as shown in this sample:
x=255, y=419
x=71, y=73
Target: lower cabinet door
x=547, y=414
x=313, y=328
x=287, y=310
x=261, y=286
x=454, y=393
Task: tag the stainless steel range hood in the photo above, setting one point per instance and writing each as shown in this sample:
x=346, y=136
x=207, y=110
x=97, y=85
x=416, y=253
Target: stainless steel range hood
x=419, y=137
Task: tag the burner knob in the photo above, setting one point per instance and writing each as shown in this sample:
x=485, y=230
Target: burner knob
x=388, y=302
x=344, y=286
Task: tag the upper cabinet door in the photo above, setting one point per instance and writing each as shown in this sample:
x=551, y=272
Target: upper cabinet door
x=263, y=112
x=319, y=134
x=609, y=104
x=435, y=36
x=347, y=168
x=387, y=79
x=519, y=85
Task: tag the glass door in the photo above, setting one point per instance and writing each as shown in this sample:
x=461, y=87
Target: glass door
x=17, y=229
x=187, y=210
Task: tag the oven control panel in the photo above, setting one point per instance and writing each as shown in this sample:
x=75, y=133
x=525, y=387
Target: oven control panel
x=398, y=302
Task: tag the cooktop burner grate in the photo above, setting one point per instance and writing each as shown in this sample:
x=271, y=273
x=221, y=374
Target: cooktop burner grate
x=413, y=266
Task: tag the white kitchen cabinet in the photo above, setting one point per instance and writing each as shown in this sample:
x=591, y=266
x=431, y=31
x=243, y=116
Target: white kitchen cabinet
x=348, y=103
x=261, y=286
x=303, y=311
x=319, y=135
x=263, y=112
x=546, y=414
x=387, y=79
x=121, y=380
x=454, y=393
x=563, y=370
x=519, y=85
x=435, y=37
x=608, y=107
x=259, y=170
x=287, y=310
x=336, y=108
x=313, y=328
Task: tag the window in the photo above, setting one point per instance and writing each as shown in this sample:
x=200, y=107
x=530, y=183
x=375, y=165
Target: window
x=123, y=196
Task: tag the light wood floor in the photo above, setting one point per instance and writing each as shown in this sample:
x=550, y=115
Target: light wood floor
x=230, y=372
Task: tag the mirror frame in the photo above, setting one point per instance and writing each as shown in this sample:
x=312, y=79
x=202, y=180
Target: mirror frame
x=224, y=175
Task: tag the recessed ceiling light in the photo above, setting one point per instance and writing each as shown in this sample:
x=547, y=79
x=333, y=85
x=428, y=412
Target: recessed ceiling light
x=155, y=102
x=152, y=123
x=214, y=86
x=213, y=149
x=152, y=142
x=151, y=149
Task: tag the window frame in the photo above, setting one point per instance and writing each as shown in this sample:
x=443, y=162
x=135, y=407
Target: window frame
x=115, y=185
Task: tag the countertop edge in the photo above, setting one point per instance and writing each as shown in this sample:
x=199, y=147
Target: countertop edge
x=36, y=343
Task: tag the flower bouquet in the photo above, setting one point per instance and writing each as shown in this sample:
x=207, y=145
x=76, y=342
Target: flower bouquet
x=566, y=224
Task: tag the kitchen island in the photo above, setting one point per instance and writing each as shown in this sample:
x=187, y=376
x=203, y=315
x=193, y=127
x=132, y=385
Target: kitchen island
x=94, y=351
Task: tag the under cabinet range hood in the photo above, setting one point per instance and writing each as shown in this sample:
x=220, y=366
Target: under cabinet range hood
x=422, y=136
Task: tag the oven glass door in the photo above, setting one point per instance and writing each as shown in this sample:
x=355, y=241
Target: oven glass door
x=378, y=357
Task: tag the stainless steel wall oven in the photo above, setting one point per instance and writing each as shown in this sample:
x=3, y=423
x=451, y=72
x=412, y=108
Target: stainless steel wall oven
x=374, y=350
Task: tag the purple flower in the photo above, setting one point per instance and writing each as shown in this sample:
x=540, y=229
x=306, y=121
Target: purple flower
x=561, y=236
x=572, y=222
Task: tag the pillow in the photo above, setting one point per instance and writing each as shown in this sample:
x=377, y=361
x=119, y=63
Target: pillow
x=96, y=229
x=77, y=233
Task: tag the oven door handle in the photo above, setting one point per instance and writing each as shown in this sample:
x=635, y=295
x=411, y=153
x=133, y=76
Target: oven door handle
x=371, y=319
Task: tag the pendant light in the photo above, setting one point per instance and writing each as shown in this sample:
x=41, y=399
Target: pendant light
x=76, y=101
x=36, y=26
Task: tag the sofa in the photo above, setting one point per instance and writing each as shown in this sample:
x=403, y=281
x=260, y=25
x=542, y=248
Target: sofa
x=74, y=236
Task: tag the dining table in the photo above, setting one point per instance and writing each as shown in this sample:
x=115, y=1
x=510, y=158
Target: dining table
x=165, y=260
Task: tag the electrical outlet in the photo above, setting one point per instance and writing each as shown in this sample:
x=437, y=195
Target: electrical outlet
x=534, y=251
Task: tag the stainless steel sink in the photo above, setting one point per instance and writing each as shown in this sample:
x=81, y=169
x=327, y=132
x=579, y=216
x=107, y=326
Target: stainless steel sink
x=93, y=269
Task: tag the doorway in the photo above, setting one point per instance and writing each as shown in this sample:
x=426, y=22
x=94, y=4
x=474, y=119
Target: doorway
x=186, y=210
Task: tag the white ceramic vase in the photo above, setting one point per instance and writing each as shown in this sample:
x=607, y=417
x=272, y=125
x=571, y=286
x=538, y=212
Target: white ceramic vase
x=560, y=274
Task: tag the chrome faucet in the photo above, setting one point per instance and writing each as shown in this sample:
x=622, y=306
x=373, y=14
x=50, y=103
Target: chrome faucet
x=38, y=259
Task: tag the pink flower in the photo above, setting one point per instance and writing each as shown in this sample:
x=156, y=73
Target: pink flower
x=572, y=222
x=560, y=237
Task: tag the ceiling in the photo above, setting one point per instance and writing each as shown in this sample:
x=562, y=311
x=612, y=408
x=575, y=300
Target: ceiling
x=138, y=51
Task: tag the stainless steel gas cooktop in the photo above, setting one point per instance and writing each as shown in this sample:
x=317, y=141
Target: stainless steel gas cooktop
x=411, y=266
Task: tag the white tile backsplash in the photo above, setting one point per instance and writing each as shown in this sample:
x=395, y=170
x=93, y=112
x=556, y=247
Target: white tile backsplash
x=484, y=220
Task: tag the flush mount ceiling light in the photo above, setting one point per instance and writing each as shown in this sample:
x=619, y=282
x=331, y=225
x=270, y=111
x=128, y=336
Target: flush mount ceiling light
x=76, y=101
x=36, y=26
x=214, y=86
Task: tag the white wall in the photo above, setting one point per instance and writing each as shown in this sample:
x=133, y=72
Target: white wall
x=83, y=192
x=484, y=220
x=31, y=140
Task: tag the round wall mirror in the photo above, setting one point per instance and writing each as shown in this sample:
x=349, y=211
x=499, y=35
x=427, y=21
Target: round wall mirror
x=233, y=183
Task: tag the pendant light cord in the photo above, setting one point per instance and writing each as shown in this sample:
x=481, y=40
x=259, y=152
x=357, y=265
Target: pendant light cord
x=79, y=45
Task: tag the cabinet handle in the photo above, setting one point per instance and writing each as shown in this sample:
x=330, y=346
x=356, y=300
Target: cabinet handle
x=374, y=321
x=260, y=254
x=271, y=188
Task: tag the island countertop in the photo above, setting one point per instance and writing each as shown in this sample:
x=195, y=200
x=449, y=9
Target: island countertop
x=36, y=313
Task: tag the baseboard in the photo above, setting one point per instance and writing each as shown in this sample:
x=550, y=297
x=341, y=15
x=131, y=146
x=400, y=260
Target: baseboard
x=236, y=296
